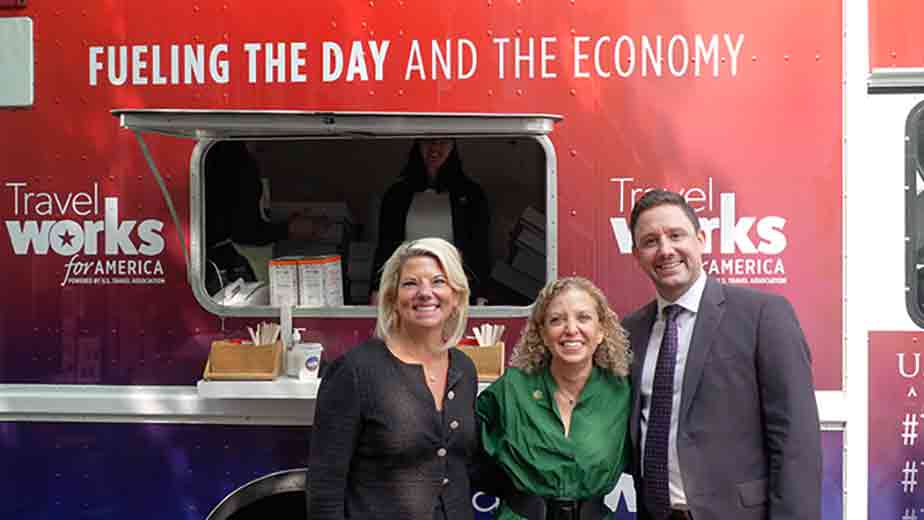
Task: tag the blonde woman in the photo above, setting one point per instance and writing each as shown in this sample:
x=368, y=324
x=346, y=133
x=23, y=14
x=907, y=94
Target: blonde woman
x=394, y=425
x=555, y=423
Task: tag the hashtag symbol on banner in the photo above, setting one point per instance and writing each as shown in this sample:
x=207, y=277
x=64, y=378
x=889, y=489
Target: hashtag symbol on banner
x=909, y=476
x=910, y=429
x=910, y=514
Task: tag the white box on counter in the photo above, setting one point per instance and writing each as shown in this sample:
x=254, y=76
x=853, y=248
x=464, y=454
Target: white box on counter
x=283, y=275
x=320, y=281
x=315, y=281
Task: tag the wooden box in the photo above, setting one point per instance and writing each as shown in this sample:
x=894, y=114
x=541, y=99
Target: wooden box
x=242, y=362
x=489, y=360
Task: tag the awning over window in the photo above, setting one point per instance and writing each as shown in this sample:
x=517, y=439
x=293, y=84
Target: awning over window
x=231, y=124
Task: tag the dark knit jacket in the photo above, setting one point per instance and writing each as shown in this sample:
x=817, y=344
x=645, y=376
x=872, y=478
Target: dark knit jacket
x=379, y=448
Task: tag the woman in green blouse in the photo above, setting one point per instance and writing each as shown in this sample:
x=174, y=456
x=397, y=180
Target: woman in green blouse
x=555, y=423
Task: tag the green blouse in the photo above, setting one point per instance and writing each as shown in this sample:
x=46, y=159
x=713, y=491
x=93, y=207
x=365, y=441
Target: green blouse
x=521, y=429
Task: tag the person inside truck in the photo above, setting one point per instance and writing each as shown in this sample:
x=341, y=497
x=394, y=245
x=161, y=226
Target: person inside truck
x=434, y=197
x=394, y=427
x=556, y=421
x=236, y=227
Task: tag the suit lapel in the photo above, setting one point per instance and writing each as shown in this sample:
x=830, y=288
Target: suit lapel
x=708, y=317
x=639, y=335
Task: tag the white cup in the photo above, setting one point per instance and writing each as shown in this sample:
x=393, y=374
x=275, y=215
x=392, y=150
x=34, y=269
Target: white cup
x=306, y=359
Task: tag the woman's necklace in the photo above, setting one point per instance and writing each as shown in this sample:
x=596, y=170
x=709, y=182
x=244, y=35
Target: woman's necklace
x=433, y=368
x=576, y=381
x=431, y=374
x=569, y=398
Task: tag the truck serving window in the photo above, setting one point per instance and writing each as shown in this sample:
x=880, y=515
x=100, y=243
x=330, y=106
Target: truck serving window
x=296, y=209
x=914, y=234
x=308, y=222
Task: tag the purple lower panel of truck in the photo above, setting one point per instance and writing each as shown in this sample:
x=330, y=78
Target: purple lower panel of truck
x=183, y=471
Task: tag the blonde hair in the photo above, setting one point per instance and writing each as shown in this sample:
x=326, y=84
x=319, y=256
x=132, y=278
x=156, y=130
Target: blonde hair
x=613, y=354
x=388, y=321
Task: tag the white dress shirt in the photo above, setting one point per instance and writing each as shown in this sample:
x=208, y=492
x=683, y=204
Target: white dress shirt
x=429, y=215
x=686, y=319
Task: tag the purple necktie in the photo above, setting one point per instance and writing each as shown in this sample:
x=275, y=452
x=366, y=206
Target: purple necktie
x=657, y=492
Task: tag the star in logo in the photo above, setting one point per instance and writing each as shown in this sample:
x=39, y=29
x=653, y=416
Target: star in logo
x=66, y=238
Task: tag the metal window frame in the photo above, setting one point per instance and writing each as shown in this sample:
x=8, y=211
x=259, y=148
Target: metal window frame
x=210, y=126
x=912, y=166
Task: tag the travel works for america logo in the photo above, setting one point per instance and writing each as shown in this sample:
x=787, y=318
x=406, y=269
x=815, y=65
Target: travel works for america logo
x=84, y=228
x=742, y=249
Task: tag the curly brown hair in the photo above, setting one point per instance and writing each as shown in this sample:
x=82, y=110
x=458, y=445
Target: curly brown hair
x=614, y=354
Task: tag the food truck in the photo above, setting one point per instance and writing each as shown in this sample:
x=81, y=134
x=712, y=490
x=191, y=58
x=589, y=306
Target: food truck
x=794, y=129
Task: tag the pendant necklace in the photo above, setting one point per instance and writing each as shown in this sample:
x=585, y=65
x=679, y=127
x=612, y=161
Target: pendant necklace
x=568, y=397
x=431, y=376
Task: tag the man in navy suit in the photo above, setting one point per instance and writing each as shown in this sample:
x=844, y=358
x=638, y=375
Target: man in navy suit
x=724, y=419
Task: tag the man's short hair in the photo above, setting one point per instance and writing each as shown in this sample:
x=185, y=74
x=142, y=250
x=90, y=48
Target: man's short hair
x=655, y=198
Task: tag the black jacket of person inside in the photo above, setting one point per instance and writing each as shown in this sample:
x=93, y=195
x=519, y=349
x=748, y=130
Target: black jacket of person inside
x=232, y=213
x=471, y=216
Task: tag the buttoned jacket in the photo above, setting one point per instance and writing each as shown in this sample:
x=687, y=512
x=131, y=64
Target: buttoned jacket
x=748, y=438
x=380, y=449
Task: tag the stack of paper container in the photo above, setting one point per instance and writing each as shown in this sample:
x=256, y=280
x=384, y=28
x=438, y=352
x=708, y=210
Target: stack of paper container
x=359, y=271
x=525, y=270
